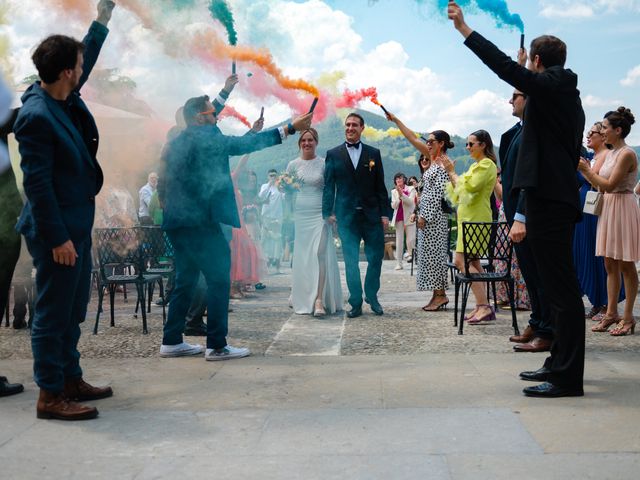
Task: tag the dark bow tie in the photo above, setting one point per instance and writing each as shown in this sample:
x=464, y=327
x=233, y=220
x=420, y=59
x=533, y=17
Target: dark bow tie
x=354, y=145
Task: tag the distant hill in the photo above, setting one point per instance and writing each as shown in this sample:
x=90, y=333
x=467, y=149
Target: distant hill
x=397, y=154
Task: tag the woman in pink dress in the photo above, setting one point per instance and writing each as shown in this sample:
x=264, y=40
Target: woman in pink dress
x=245, y=257
x=618, y=234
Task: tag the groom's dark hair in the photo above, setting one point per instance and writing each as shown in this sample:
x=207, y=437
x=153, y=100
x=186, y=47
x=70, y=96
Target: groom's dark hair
x=358, y=116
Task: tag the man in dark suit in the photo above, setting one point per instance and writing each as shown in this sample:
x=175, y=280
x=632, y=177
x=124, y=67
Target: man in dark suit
x=546, y=170
x=538, y=335
x=198, y=196
x=58, y=142
x=356, y=198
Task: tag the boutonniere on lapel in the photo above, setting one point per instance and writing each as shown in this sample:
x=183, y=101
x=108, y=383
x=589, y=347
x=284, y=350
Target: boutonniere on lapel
x=371, y=164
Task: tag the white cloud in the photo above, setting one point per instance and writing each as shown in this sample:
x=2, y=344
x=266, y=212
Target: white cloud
x=581, y=9
x=483, y=110
x=632, y=78
x=592, y=101
x=566, y=10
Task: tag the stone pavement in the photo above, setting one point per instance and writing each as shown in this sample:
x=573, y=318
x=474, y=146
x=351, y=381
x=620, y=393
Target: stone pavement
x=399, y=396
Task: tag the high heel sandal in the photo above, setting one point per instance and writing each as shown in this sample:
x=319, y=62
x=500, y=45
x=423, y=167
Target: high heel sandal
x=485, y=318
x=605, y=323
x=318, y=309
x=432, y=306
x=624, y=328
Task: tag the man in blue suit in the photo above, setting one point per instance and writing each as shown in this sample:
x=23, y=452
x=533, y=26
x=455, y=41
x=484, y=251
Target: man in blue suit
x=198, y=198
x=58, y=141
x=356, y=198
x=538, y=335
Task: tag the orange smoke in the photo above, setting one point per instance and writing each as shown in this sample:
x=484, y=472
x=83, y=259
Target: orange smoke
x=142, y=13
x=229, y=111
x=81, y=6
x=207, y=45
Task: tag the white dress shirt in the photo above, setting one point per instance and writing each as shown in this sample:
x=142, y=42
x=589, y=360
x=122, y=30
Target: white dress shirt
x=354, y=154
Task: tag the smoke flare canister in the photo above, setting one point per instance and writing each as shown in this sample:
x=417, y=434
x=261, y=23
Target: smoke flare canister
x=521, y=41
x=313, y=105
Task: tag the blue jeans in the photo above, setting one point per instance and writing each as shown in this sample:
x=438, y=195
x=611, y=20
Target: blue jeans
x=61, y=305
x=206, y=251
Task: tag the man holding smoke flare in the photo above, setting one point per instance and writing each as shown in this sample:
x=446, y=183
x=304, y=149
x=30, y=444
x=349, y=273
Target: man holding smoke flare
x=553, y=124
x=197, y=194
x=58, y=141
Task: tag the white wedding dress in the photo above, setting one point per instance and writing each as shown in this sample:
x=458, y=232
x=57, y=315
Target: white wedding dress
x=309, y=228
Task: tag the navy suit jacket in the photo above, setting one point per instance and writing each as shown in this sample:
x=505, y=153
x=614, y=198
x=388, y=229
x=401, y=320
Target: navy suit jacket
x=513, y=198
x=61, y=173
x=195, y=187
x=552, y=129
x=346, y=188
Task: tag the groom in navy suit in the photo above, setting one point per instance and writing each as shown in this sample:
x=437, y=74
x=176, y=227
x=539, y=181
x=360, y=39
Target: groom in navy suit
x=356, y=198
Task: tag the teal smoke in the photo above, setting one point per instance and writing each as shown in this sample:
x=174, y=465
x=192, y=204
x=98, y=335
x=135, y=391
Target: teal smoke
x=220, y=11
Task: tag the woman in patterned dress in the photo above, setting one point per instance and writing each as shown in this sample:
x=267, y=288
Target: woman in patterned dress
x=433, y=234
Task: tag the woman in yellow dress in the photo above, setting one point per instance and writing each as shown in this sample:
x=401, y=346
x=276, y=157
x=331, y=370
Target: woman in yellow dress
x=471, y=192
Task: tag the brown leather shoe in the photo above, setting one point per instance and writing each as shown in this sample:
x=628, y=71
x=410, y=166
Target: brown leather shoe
x=537, y=344
x=78, y=389
x=57, y=405
x=526, y=336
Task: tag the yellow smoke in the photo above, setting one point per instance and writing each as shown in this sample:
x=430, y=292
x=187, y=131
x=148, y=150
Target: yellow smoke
x=329, y=81
x=6, y=67
x=375, y=134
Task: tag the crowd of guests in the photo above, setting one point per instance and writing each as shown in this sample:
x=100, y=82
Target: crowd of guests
x=215, y=214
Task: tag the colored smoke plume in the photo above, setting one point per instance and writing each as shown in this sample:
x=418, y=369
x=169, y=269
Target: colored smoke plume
x=206, y=45
x=220, y=11
x=498, y=9
x=376, y=134
x=230, y=112
x=350, y=99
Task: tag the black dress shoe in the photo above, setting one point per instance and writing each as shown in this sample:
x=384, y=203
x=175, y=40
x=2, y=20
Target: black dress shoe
x=195, y=330
x=354, y=312
x=7, y=388
x=19, y=323
x=377, y=309
x=539, y=375
x=375, y=306
x=548, y=390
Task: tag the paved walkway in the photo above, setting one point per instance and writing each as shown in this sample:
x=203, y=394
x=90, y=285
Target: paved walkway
x=399, y=396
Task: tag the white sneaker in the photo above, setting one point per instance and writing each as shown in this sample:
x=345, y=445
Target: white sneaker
x=226, y=353
x=181, y=350
x=399, y=267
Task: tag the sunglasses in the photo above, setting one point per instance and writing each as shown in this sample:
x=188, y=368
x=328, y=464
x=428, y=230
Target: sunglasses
x=471, y=144
x=272, y=175
x=430, y=141
x=516, y=95
x=591, y=133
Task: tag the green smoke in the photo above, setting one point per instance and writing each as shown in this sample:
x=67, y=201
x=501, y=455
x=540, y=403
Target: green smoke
x=220, y=11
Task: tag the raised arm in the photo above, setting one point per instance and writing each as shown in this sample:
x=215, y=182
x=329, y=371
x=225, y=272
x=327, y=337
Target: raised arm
x=410, y=135
x=95, y=38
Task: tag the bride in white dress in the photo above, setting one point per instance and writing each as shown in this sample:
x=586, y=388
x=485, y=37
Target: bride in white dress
x=316, y=279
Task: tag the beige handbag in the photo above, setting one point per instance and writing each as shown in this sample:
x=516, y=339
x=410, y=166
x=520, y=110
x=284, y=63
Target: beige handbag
x=593, y=203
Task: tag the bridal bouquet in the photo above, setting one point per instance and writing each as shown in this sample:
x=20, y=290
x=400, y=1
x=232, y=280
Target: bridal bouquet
x=289, y=182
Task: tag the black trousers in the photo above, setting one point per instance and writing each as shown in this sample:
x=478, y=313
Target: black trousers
x=550, y=227
x=539, y=319
x=360, y=228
